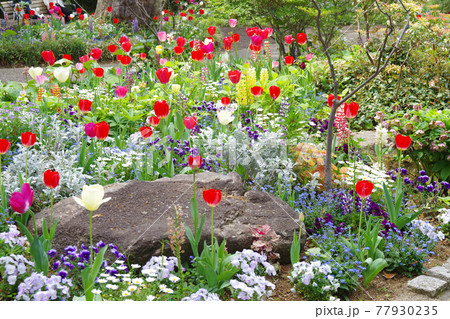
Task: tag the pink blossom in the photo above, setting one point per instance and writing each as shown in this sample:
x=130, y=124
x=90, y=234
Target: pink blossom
x=275, y=64
x=21, y=201
x=40, y=79
x=119, y=71
x=309, y=57
x=232, y=22
x=162, y=61
x=121, y=91
x=79, y=66
x=162, y=36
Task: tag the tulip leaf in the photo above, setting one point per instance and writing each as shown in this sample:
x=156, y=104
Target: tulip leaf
x=25, y=231
x=39, y=256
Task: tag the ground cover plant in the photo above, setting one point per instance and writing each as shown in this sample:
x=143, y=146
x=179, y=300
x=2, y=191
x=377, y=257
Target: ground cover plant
x=174, y=97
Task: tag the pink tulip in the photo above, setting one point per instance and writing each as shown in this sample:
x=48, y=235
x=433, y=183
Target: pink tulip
x=275, y=64
x=21, y=201
x=256, y=40
x=89, y=129
x=121, y=91
x=119, y=71
x=162, y=61
x=208, y=48
x=79, y=66
x=162, y=36
x=269, y=31
x=309, y=57
x=232, y=22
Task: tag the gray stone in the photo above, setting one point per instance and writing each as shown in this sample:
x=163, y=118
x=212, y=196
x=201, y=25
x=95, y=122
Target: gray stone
x=440, y=273
x=426, y=285
x=447, y=266
x=135, y=219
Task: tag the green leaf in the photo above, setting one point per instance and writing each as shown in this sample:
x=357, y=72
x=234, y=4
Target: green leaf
x=39, y=256
x=390, y=205
x=25, y=231
x=373, y=270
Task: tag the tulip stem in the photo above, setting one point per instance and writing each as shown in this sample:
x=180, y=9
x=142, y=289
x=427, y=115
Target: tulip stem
x=360, y=216
x=34, y=222
x=90, y=237
x=51, y=209
x=26, y=166
x=212, y=233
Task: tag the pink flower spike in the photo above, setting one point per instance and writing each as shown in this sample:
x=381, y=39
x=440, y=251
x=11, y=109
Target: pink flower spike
x=21, y=201
x=121, y=91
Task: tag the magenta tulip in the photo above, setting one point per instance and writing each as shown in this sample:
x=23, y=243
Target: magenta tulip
x=21, y=201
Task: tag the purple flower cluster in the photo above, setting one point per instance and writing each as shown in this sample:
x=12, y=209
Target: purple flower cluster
x=422, y=183
x=38, y=287
x=252, y=128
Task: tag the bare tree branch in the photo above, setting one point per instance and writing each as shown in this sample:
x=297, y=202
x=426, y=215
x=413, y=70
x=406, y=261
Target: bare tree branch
x=379, y=67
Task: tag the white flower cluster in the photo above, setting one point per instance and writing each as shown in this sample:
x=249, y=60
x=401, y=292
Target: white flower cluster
x=154, y=269
x=365, y=172
x=445, y=215
x=381, y=135
x=250, y=285
x=12, y=237
x=314, y=274
x=427, y=229
x=13, y=266
x=38, y=287
x=202, y=295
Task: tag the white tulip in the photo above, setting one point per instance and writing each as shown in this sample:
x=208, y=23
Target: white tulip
x=92, y=197
x=225, y=117
x=34, y=72
x=61, y=74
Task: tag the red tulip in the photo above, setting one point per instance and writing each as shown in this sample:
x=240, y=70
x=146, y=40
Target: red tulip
x=201, y=11
x=331, y=98
x=98, y=72
x=112, y=48
x=225, y=100
x=26, y=16
x=32, y=13
x=101, y=130
x=364, y=188
x=236, y=37
x=67, y=57
x=256, y=91
x=197, y=55
x=143, y=56
x=79, y=10
x=84, y=58
x=154, y=121
x=96, y=53
x=289, y=60
x=81, y=17
x=211, y=30
x=51, y=179
x=21, y=201
x=195, y=161
x=109, y=9
x=181, y=41
x=301, y=38
x=84, y=106
x=274, y=92
x=28, y=139
x=126, y=46
x=178, y=50
x=48, y=57
x=212, y=197
x=4, y=146
x=402, y=142
x=123, y=39
x=289, y=39
x=190, y=122
x=161, y=109
x=164, y=75
x=351, y=110
x=115, y=21
x=146, y=131
x=227, y=42
x=125, y=60
x=234, y=76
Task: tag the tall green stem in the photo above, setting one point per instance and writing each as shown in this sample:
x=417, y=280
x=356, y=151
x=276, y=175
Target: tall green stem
x=360, y=216
x=90, y=237
x=212, y=233
x=51, y=208
x=26, y=166
x=34, y=222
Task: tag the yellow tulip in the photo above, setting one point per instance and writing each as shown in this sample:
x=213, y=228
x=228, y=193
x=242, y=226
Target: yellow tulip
x=225, y=117
x=92, y=197
x=61, y=74
x=176, y=88
x=159, y=49
x=35, y=72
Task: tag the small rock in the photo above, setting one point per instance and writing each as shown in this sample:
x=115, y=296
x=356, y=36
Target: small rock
x=447, y=266
x=426, y=285
x=440, y=273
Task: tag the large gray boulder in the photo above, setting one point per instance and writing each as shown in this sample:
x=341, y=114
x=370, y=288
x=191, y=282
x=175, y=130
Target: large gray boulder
x=135, y=219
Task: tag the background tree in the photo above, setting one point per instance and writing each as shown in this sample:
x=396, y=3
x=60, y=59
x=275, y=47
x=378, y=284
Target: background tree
x=127, y=10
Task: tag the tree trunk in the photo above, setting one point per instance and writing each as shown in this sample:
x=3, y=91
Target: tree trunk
x=127, y=10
